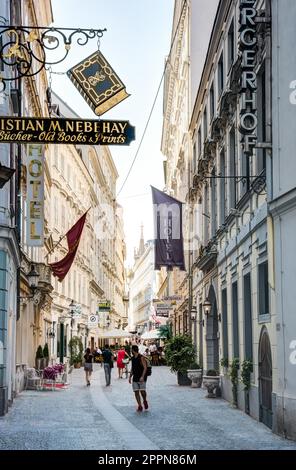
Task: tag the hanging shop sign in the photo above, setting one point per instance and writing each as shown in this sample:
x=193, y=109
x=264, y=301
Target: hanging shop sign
x=162, y=309
x=248, y=100
x=24, y=130
x=77, y=311
x=97, y=82
x=35, y=195
x=104, y=306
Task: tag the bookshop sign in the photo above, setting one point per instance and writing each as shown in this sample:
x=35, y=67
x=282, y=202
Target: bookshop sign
x=27, y=130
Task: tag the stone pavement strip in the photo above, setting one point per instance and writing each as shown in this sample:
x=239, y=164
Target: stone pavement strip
x=105, y=418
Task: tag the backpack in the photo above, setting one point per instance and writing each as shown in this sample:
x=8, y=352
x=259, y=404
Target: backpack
x=149, y=367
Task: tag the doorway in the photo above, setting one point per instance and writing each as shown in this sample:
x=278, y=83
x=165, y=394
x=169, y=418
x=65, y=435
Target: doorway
x=212, y=333
x=265, y=380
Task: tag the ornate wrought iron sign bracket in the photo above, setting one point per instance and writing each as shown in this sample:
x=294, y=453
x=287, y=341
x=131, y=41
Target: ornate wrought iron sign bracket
x=256, y=183
x=27, y=50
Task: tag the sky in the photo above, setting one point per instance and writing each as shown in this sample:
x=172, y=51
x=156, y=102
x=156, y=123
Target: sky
x=135, y=44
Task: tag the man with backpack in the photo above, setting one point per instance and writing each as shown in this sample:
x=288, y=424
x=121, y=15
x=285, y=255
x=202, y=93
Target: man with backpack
x=139, y=373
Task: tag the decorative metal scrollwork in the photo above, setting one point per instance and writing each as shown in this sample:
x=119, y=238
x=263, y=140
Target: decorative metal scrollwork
x=259, y=183
x=28, y=50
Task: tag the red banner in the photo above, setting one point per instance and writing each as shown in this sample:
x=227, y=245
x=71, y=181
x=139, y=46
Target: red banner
x=61, y=268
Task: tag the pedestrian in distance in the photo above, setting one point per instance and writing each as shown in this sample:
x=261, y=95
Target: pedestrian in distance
x=139, y=375
x=120, y=365
x=88, y=367
x=108, y=364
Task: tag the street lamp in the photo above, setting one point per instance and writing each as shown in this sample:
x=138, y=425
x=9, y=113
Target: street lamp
x=207, y=306
x=62, y=321
x=72, y=311
x=33, y=277
x=193, y=312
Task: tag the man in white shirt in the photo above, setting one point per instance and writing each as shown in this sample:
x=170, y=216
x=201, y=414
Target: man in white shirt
x=142, y=348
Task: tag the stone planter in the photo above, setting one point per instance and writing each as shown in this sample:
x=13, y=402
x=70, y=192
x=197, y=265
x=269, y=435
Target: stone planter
x=77, y=365
x=211, y=382
x=39, y=363
x=195, y=375
x=183, y=379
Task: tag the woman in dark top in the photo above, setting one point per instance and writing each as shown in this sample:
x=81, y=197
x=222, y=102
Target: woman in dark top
x=88, y=359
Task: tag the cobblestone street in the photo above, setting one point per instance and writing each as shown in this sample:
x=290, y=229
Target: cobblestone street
x=100, y=418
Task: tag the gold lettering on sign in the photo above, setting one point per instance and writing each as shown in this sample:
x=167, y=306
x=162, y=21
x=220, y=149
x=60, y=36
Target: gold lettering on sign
x=55, y=125
x=33, y=234
x=97, y=78
x=31, y=169
x=35, y=193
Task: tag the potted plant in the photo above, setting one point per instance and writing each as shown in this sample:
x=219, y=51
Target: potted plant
x=45, y=355
x=234, y=368
x=76, y=349
x=211, y=381
x=247, y=369
x=179, y=354
x=165, y=332
x=194, y=373
x=39, y=358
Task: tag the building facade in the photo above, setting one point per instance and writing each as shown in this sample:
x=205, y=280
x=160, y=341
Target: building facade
x=21, y=312
x=142, y=287
x=34, y=306
x=283, y=210
x=9, y=245
x=175, y=146
x=237, y=300
x=230, y=200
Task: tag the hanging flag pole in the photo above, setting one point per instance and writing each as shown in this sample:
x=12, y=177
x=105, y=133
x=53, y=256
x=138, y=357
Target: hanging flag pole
x=61, y=268
x=55, y=246
x=59, y=241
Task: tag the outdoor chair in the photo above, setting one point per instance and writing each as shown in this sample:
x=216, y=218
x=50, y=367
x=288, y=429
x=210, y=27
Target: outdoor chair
x=33, y=379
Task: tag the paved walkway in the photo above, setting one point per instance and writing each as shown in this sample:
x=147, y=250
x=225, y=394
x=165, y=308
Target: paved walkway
x=101, y=418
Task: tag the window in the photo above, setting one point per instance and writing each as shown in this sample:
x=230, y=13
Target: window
x=230, y=45
x=222, y=183
x=206, y=215
x=63, y=225
x=56, y=211
x=212, y=102
x=248, y=318
x=200, y=335
x=205, y=124
x=235, y=331
x=232, y=169
x=56, y=155
x=213, y=203
x=224, y=324
x=194, y=158
x=261, y=113
x=220, y=75
x=62, y=166
x=199, y=142
x=263, y=289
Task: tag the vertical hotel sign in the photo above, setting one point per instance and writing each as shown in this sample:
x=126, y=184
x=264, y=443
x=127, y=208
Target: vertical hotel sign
x=35, y=195
x=248, y=47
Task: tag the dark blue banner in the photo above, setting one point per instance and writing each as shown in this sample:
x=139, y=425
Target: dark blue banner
x=167, y=214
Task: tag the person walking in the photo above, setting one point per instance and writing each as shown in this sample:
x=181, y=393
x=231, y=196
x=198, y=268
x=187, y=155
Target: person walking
x=120, y=365
x=139, y=375
x=108, y=364
x=88, y=367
